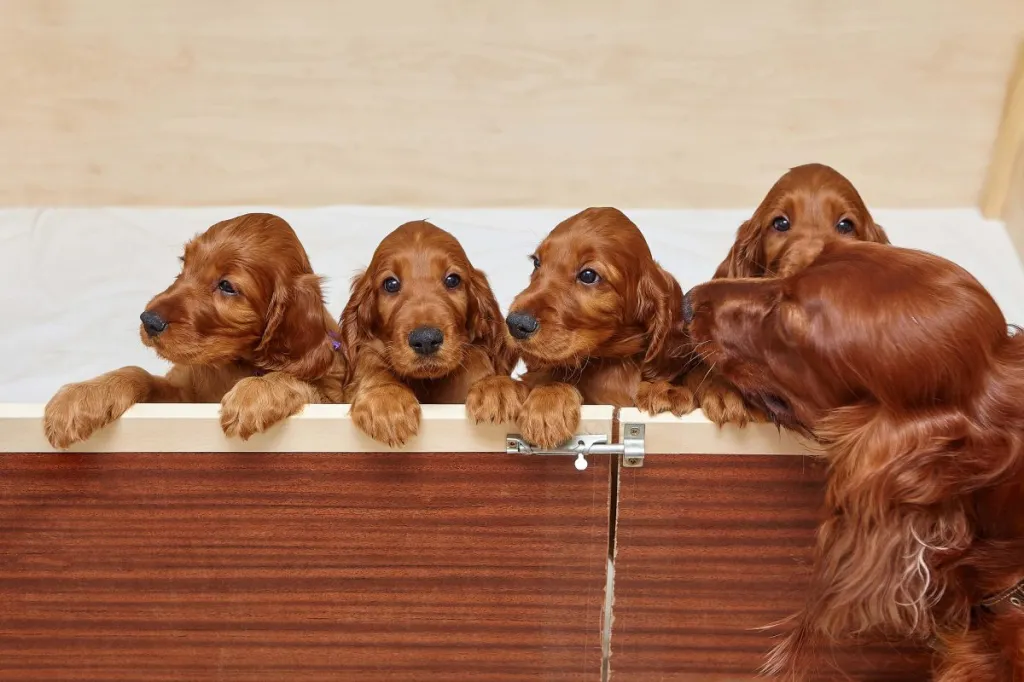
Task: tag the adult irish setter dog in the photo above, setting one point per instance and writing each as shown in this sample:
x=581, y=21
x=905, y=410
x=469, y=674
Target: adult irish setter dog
x=599, y=324
x=421, y=325
x=902, y=368
x=244, y=324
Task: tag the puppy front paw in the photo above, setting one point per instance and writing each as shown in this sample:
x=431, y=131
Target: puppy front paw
x=551, y=415
x=496, y=400
x=257, y=403
x=79, y=410
x=723, y=405
x=387, y=414
x=655, y=397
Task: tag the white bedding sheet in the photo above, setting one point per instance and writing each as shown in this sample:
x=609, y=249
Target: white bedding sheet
x=73, y=281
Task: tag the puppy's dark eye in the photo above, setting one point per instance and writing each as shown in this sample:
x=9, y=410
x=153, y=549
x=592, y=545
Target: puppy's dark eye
x=844, y=226
x=226, y=287
x=588, y=276
x=536, y=262
x=781, y=224
x=452, y=281
x=392, y=285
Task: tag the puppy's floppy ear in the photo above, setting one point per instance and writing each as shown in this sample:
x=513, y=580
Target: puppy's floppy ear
x=485, y=324
x=357, y=320
x=873, y=232
x=296, y=334
x=746, y=256
x=658, y=305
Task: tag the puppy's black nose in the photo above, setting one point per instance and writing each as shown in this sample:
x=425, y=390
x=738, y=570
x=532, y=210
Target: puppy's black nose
x=687, y=308
x=522, y=325
x=152, y=323
x=426, y=340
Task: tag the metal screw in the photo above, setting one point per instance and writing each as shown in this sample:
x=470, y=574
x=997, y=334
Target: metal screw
x=632, y=461
x=634, y=431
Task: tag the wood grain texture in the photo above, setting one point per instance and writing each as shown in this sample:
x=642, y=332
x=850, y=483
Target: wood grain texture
x=301, y=567
x=486, y=102
x=710, y=548
x=1014, y=210
x=1007, y=149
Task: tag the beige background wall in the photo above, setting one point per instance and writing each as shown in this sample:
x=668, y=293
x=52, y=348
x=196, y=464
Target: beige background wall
x=491, y=102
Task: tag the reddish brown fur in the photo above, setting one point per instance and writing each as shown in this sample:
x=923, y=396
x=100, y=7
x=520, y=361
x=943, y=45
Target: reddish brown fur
x=814, y=199
x=901, y=366
x=389, y=379
x=614, y=342
x=276, y=324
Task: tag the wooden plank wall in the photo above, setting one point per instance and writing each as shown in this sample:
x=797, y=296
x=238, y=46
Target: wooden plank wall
x=487, y=102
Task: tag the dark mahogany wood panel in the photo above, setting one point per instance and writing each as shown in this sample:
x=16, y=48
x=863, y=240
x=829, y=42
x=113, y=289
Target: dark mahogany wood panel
x=711, y=548
x=301, y=567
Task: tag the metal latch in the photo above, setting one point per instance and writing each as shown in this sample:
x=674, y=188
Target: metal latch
x=631, y=448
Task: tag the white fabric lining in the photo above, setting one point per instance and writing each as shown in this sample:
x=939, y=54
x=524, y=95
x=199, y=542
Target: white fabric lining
x=73, y=281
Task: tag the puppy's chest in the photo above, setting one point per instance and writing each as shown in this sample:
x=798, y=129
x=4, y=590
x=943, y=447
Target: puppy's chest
x=455, y=387
x=609, y=383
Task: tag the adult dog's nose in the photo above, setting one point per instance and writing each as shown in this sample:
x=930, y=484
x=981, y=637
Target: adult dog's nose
x=522, y=325
x=426, y=340
x=687, y=307
x=152, y=323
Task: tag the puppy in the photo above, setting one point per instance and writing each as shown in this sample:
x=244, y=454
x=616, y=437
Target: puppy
x=422, y=325
x=809, y=200
x=244, y=324
x=812, y=201
x=595, y=326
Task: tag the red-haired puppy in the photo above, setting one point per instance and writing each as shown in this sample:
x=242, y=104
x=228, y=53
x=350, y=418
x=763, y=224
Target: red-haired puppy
x=244, y=324
x=422, y=325
x=812, y=200
x=600, y=323
x=809, y=200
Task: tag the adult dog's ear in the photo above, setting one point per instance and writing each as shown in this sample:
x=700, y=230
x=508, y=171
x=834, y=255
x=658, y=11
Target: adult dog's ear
x=357, y=319
x=485, y=324
x=296, y=334
x=746, y=256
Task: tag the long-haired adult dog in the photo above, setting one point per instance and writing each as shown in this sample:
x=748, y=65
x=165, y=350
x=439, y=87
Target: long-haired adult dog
x=244, y=324
x=901, y=366
x=421, y=325
x=599, y=323
x=812, y=200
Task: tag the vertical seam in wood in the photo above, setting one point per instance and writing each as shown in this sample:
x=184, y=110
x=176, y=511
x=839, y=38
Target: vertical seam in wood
x=608, y=613
x=1007, y=146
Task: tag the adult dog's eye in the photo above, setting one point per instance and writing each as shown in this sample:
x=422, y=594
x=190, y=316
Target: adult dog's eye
x=844, y=226
x=452, y=281
x=588, y=276
x=226, y=287
x=781, y=224
x=392, y=285
x=536, y=262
